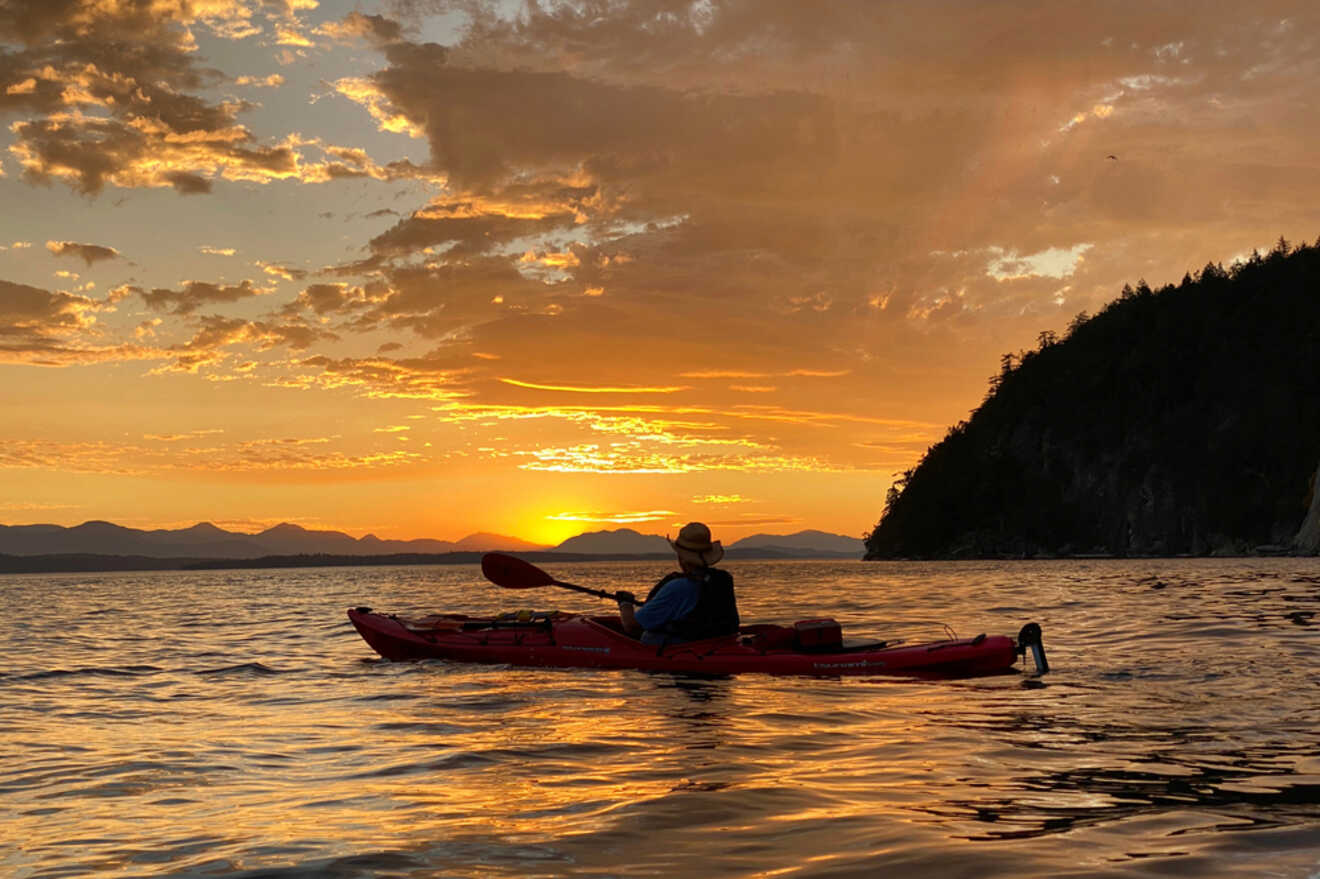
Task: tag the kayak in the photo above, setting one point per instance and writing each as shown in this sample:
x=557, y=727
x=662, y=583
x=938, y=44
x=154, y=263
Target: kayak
x=558, y=640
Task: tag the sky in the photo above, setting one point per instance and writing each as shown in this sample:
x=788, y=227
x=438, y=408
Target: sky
x=422, y=268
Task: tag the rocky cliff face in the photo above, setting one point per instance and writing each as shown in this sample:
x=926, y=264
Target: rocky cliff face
x=1172, y=422
x=1308, y=536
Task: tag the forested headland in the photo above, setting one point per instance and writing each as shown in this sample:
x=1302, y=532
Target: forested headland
x=1184, y=420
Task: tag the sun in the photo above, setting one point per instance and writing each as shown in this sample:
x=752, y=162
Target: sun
x=537, y=527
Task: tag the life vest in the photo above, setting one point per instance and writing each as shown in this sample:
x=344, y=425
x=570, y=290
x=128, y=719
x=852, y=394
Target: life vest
x=716, y=611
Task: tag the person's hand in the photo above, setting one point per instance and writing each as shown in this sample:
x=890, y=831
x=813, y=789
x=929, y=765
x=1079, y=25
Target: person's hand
x=625, y=597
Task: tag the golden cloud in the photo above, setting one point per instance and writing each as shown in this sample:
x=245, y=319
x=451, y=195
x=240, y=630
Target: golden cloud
x=585, y=389
x=612, y=518
x=630, y=458
x=88, y=253
x=75, y=457
x=257, y=456
x=272, y=81
x=365, y=93
x=44, y=328
x=720, y=499
x=381, y=378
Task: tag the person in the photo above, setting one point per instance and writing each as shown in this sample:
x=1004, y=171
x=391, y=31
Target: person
x=688, y=605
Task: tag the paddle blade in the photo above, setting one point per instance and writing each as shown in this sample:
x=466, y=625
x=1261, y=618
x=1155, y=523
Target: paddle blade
x=513, y=573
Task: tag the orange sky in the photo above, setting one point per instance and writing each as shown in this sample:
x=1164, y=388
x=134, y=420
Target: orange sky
x=428, y=268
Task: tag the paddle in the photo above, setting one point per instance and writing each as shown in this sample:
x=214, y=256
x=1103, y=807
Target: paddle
x=514, y=573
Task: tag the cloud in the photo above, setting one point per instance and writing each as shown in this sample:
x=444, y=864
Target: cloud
x=440, y=299
x=180, y=437
x=216, y=332
x=807, y=172
x=476, y=225
x=306, y=456
x=581, y=389
x=112, y=94
x=44, y=328
x=31, y=309
x=196, y=294
x=330, y=298
x=287, y=273
x=356, y=25
x=186, y=183
x=633, y=458
x=76, y=457
x=88, y=253
x=272, y=81
x=208, y=347
x=613, y=518
x=382, y=377
x=1055, y=262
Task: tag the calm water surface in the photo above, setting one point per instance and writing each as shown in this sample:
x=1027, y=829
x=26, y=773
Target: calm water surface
x=233, y=724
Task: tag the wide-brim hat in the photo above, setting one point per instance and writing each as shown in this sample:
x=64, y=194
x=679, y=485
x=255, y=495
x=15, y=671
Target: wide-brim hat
x=694, y=546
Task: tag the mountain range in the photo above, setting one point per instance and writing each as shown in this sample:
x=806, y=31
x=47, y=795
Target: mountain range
x=207, y=541
x=803, y=544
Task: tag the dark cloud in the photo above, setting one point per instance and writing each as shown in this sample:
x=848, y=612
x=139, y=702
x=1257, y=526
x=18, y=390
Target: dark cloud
x=376, y=28
x=463, y=229
x=434, y=301
x=88, y=253
x=32, y=312
x=196, y=294
x=188, y=184
x=801, y=176
x=323, y=299
x=214, y=334
x=53, y=328
x=487, y=126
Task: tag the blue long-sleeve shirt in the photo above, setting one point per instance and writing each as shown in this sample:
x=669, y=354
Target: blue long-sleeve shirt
x=675, y=600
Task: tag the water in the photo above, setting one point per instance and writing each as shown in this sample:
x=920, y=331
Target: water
x=232, y=724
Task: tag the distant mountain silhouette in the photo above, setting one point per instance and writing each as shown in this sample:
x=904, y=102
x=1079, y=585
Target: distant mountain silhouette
x=484, y=541
x=803, y=544
x=205, y=540
x=620, y=542
x=1183, y=421
x=811, y=540
x=95, y=541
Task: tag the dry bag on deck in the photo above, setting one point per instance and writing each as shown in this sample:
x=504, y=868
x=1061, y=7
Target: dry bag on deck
x=821, y=634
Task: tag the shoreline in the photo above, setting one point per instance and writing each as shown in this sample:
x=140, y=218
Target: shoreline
x=90, y=563
x=71, y=563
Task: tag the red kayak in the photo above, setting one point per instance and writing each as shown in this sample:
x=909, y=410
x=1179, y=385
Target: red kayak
x=812, y=647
